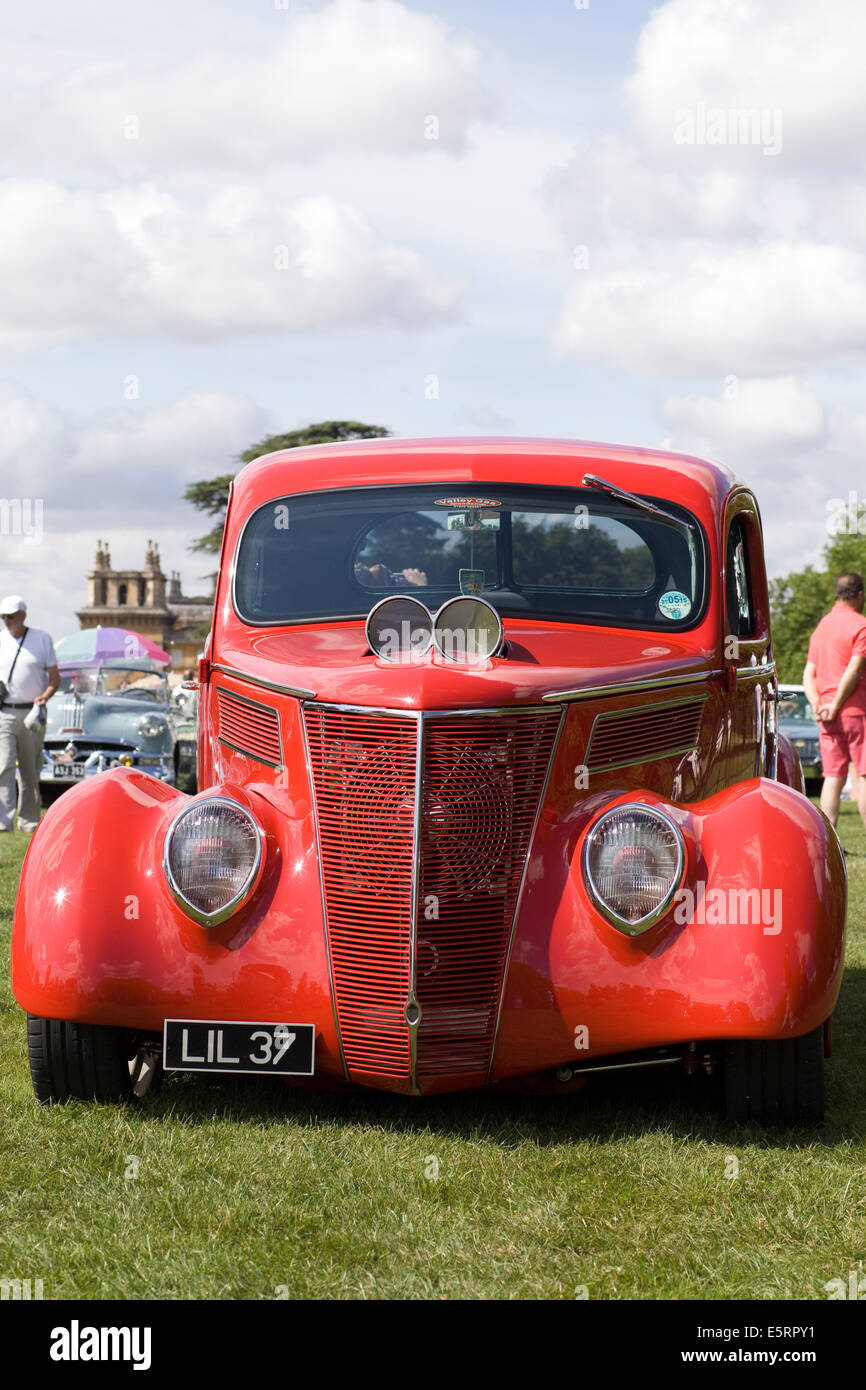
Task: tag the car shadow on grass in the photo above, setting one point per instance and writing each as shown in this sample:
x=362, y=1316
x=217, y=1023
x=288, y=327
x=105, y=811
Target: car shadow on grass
x=611, y=1107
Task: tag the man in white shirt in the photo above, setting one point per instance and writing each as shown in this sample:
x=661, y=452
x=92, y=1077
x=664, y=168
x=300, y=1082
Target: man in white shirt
x=28, y=668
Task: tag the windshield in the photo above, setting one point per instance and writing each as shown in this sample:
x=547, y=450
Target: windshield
x=568, y=553
x=794, y=705
x=128, y=683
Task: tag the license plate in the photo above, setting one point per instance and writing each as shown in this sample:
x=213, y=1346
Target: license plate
x=68, y=772
x=251, y=1049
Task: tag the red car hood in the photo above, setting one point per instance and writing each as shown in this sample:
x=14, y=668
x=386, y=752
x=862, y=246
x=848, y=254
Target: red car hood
x=332, y=662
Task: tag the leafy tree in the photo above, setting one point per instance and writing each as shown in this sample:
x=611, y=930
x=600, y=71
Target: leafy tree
x=797, y=604
x=211, y=496
x=328, y=432
x=798, y=601
x=559, y=555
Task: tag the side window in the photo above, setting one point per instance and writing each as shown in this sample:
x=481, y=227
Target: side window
x=740, y=609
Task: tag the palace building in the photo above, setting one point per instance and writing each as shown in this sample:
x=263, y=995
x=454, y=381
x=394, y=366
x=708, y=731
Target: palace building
x=147, y=602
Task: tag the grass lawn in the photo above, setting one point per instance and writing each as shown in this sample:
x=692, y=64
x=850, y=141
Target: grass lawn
x=214, y=1189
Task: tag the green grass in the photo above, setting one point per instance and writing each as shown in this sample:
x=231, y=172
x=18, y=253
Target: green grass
x=244, y=1189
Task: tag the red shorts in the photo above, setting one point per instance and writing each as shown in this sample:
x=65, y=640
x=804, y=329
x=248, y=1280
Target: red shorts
x=843, y=742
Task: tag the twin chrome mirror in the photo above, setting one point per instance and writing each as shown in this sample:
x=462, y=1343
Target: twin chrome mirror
x=465, y=629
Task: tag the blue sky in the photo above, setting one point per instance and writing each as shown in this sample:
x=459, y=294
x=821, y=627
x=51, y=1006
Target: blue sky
x=222, y=220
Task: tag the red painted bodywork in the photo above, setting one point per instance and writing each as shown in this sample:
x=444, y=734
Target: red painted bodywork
x=99, y=938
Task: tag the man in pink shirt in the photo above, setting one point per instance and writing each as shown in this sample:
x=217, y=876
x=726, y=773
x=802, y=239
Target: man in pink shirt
x=835, y=687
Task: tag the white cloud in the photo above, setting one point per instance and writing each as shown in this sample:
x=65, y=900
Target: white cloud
x=711, y=259
x=140, y=260
x=763, y=418
x=118, y=474
x=708, y=311
x=793, y=56
x=355, y=75
x=790, y=449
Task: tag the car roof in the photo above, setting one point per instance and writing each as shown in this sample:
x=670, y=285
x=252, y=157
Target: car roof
x=698, y=483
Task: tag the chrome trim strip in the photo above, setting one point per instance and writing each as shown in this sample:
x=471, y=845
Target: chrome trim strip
x=592, y=692
x=645, y=758
x=213, y=919
x=629, y=1066
x=412, y=1002
x=745, y=673
x=633, y=929
x=605, y=717
x=423, y=714
x=519, y=901
x=265, y=684
x=314, y=800
x=246, y=752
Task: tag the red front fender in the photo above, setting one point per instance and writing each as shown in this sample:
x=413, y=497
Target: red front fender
x=99, y=938
x=689, y=979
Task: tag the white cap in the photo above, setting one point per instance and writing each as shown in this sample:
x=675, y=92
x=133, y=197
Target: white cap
x=13, y=603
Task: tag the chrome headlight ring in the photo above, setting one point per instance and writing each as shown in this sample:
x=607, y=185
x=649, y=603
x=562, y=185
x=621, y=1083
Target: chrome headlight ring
x=197, y=854
x=618, y=860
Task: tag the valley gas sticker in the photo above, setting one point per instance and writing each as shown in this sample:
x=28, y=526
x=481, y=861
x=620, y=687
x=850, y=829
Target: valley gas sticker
x=675, y=605
x=466, y=502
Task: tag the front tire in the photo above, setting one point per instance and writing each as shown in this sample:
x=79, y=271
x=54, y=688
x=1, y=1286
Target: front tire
x=78, y=1061
x=778, y=1082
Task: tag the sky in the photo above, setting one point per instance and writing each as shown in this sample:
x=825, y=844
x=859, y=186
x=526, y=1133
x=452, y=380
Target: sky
x=607, y=220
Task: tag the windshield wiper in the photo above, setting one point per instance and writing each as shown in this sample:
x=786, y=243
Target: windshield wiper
x=591, y=480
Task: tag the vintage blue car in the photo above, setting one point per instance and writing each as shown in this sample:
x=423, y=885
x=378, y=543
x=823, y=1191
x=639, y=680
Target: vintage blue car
x=797, y=722
x=115, y=713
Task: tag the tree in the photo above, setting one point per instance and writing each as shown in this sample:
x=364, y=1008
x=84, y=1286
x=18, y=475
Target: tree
x=211, y=496
x=328, y=432
x=798, y=601
x=797, y=604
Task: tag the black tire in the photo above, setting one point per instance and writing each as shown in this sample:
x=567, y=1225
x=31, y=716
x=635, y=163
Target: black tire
x=78, y=1061
x=776, y=1083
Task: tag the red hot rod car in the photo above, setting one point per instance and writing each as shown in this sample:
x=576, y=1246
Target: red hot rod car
x=491, y=794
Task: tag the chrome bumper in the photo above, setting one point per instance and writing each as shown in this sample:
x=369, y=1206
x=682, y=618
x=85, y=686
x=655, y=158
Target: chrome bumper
x=160, y=765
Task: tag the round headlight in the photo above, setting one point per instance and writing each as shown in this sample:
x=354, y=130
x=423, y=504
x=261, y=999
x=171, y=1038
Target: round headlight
x=213, y=855
x=467, y=629
x=399, y=629
x=151, y=726
x=633, y=864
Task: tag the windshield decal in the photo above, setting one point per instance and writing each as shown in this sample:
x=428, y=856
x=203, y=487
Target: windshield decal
x=466, y=502
x=675, y=605
x=471, y=581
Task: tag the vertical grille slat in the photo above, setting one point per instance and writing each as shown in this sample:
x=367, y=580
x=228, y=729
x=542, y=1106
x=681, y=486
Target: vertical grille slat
x=481, y=783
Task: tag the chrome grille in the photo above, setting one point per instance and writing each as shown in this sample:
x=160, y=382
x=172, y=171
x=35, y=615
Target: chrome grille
x=481, y=781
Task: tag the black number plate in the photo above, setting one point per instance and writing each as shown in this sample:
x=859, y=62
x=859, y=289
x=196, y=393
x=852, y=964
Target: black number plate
x=255, y=1049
